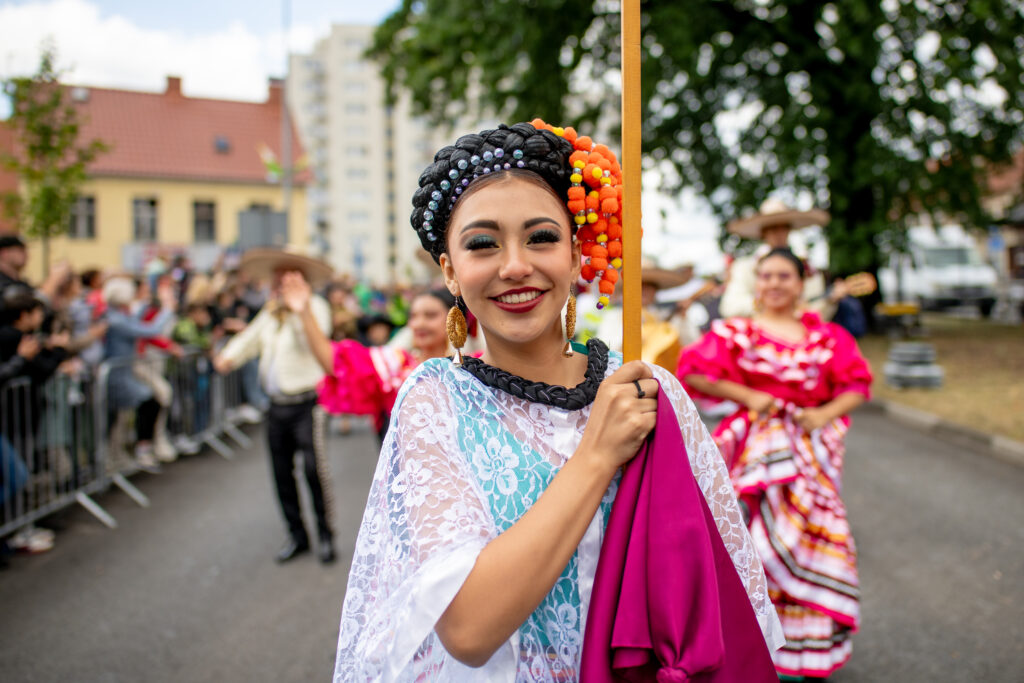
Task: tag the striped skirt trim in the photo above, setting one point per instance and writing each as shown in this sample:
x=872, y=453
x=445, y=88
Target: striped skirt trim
x=815, y=645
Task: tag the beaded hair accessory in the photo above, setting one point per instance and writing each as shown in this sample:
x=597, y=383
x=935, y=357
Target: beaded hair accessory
x=588, y=175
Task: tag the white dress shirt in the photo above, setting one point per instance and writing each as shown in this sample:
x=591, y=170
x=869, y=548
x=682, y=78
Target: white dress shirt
x=287, y=364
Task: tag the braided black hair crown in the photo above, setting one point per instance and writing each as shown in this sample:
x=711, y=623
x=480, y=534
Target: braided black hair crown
x=520, y=146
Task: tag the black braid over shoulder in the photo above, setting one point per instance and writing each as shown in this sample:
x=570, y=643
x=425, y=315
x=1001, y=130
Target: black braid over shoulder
x=474, y=155
x=575, y=398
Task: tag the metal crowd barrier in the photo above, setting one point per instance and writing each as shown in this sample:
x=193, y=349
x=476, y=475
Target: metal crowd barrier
x=72, y=437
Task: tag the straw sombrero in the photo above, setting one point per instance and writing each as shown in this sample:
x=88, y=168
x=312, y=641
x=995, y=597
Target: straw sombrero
x=659, y=277
x=261, y=262
x=775, y=212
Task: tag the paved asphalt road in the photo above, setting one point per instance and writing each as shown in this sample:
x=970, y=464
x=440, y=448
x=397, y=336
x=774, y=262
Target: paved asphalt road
x=186, y=590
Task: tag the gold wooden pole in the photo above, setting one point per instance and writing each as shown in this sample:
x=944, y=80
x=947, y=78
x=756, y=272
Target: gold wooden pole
x=631, y=138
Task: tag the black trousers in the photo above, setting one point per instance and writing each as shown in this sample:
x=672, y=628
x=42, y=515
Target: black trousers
x=291, y=429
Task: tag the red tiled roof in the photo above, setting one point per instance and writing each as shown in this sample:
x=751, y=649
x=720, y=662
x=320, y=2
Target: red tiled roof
x=168, y=135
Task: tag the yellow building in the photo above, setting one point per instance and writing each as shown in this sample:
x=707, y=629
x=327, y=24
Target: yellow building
x=183, y=175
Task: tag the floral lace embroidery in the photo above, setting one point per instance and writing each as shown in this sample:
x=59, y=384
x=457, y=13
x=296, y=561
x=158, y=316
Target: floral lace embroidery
x=461, y=463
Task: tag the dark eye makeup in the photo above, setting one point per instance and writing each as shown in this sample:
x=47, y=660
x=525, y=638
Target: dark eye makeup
x=544, y=237
x=481, y=242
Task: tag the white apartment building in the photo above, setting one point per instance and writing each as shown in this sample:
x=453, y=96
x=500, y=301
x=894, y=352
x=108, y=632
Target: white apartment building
x=366, y=158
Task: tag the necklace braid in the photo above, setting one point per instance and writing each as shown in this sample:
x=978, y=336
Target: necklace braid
x=566, y=398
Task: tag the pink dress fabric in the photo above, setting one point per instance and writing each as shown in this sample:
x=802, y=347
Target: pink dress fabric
x=791, y=479
x=365, y=380
x=809, y=372
x=667, y=604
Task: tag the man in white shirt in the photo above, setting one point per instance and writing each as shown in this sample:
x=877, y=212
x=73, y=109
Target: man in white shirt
x=290, y=373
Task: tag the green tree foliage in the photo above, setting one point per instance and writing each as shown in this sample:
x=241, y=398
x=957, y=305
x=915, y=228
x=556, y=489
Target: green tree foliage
x=876, y=109
x=48, y=158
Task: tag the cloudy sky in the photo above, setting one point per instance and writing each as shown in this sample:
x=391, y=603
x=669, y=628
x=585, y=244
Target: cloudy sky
x=220, y=49
x=228, y=49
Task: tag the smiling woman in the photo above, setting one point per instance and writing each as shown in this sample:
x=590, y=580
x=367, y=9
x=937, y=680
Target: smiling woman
x=512, y=259
x=483, y=528
x=795, y=379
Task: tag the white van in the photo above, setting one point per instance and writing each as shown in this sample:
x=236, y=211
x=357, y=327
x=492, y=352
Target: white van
x=942, y=268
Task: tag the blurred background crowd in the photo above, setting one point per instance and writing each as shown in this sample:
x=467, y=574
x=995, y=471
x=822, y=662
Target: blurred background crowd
x=158, y=330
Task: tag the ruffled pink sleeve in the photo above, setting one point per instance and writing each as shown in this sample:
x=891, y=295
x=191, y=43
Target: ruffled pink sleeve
x=354, y=387
x=849, y=370
x=714, y=357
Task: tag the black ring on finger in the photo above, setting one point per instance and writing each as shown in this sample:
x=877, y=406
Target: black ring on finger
x=639, y=392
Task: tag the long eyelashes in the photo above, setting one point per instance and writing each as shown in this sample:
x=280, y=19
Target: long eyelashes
x=481, y=242
x=544, y=236
x=537, y=237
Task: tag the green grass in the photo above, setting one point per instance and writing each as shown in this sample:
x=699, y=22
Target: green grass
x=984, y=366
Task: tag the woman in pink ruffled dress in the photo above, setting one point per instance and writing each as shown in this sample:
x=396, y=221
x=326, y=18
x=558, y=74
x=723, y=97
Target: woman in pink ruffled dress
x=364, y=380
x=795, y=379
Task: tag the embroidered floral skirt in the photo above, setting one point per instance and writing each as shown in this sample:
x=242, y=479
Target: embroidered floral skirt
x=790, y=481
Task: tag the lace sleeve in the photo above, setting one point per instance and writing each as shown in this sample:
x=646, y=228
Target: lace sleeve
x=713, y=478
x=424, y=525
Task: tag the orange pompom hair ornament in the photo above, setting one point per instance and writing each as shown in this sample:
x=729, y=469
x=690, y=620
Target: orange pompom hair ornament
x=595, y=200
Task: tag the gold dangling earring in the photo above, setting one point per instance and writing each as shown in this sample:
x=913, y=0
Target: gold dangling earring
x=570, y=324
x=457, y=330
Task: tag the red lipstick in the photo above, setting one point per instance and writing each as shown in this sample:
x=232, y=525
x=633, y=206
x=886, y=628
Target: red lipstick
x=520, y=307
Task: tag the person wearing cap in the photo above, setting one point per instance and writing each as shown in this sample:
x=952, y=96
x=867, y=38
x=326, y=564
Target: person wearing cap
x=290, y=373
x=772, y=225
x=14, y=258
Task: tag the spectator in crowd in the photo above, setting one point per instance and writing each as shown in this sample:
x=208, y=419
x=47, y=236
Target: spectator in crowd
x=156, y=268
x=85, y=311
x=126, y=391
x=24, y=353
x=23, y=314
x=13, y=472
x=14, y=258
x=196, y=335
x=375, y=329
x=344, y=311
x=151, y=364
x=236, y=304
x=85, y=333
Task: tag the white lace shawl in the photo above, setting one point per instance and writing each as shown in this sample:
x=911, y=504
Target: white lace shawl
x=428, y=516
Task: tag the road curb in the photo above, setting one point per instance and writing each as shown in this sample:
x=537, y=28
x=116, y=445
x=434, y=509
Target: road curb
x=1001, y=447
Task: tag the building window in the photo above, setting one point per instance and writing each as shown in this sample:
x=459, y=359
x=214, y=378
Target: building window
x=355, y=87
x=204, y=222
x=357, y=151
x=83, y=219
x=355, y=109
x=144, y=219
x=356, y=173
